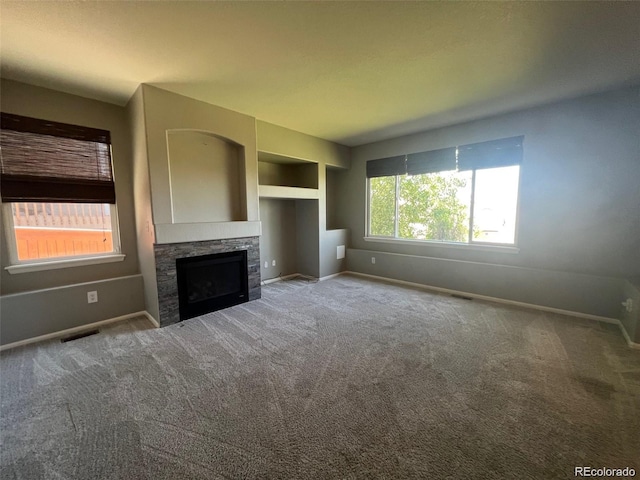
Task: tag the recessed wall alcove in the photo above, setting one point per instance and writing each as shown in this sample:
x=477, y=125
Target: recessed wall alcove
x=207, y=178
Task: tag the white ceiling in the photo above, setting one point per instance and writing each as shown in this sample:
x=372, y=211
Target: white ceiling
x=351, y=72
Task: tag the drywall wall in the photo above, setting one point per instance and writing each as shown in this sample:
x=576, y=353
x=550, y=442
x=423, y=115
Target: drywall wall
x=283, y=141
x=206, y=178
x=316, y=250
x=145, y=229
x=279, y=240
x=578, y=209
x=41, y=312
x=37, y=102
x=332, y=181
x=37, y=311
x=334, y=235
x=168, y=112
x=332, y=239
x=631, y=319
x=562, y=290
x=308, y=234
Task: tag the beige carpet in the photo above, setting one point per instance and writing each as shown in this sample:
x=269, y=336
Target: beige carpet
x=342, y=379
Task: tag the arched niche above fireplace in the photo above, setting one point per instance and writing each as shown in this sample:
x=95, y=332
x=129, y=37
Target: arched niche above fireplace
x=207, y=178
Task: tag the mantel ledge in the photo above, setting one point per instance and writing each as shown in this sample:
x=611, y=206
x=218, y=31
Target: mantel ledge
x=196, y=232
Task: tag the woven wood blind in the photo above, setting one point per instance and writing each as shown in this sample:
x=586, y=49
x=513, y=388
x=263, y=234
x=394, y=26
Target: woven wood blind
x=50, y=161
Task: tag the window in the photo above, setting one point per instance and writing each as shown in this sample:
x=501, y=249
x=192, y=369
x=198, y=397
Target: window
x=466, y=194
x=57, y=189
x=51, y=230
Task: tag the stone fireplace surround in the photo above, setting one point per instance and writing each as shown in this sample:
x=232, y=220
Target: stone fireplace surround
x=166, y=274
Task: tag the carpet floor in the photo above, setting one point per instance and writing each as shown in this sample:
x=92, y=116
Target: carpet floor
x=348, y=378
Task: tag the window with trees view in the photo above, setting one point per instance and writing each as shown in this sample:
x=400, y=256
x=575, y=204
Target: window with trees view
x=58, y=190
x=466, y=194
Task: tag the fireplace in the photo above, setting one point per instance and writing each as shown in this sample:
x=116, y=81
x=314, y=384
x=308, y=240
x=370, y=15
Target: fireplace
x=168, y=254
x=211, y=282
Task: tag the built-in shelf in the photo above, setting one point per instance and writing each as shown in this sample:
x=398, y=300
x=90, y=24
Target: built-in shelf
x=278, y=191
x=270, y=157
x=278, y=170
x=333, y=177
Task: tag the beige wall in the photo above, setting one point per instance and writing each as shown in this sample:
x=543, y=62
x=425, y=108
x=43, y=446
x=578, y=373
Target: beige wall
x=43, y=302
x=579, y=204
x=42, y=312
x=316, y=248
x=279, y=239
x=47, y=104
x=631, y=319
x=166, y=112
x=283, y=141
x=332, y=180
x=206, y=179
x=145, y=232
x=579, y=189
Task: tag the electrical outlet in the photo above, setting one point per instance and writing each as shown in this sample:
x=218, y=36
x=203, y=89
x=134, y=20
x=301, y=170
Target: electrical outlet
x=373, y=260
x=92, y=297
x=628, y=305
x=273, y=263
x=340, y=251
x=266, y=264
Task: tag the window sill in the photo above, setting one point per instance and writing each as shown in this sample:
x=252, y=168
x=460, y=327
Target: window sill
x=67, y=263
x=456, y=246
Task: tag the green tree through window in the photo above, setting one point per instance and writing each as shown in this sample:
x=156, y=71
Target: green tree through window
x=462, y=194
x=437, y=206
x=430, y=208
x=382, y=205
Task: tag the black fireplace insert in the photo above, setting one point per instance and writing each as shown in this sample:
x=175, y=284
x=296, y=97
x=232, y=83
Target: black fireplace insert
x=211, y=282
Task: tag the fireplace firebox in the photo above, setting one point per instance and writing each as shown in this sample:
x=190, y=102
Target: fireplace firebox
x=208, y=283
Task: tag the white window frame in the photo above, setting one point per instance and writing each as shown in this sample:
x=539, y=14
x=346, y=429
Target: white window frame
x=52, y=263
x=469, y=245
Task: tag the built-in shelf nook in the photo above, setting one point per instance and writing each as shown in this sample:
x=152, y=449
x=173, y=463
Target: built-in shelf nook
x=280, y=176
x=293, y=183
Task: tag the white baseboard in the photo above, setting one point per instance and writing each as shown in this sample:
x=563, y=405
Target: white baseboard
x=532, y=306
x=308, y=278
x=280, y=279
x=78, y=329
x=300, y=275
x=322, y=279
x=155, y=322
x=631, y=343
